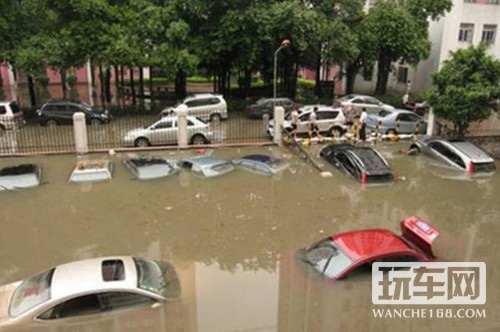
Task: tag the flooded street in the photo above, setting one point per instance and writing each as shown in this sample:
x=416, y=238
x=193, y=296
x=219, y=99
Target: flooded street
x=233, y=239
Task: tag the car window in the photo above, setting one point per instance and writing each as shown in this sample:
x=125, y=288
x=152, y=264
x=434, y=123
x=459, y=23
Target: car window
x=347, y=164
x=371, y=101
x=304, y=116
x=214, y=101
x=151, y=276
x=221, y=167
x=55, y=108
x=74, y=109
x=406, y=117
x=15, y=108
x=3, y=110
x=124, y=300
x=384, y=113
x=399, y=258
x=446, y=152
x=164, y=125
x=192, y=103
x=203, y=102
x=190, y=123
x=327, y=115
x=328, y=259
x=80, y=306
x=32, y=292
x=358, y=101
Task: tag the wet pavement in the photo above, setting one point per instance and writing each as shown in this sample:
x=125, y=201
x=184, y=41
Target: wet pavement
x=233, y=239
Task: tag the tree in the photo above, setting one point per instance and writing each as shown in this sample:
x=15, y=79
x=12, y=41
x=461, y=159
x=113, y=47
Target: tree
x=401, y=32
x=466, y=85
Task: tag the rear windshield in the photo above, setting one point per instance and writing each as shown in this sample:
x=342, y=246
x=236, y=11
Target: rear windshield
x=372, y=161
x=380, y=178
x=484, y=167
x=31, y=292
x=15, y=109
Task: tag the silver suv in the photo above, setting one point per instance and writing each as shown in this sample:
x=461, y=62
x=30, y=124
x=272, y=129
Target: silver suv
x=11, y=116
x=206, y=106
x=164, y=131
x=329, y=120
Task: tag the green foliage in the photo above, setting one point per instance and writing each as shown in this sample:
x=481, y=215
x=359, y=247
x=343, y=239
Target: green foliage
x=466, y=85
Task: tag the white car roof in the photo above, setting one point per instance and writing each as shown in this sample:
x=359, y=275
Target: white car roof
x=86, y=276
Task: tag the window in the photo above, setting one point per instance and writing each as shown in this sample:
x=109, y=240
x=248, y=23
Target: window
x=489, y=33
x=402, y=74
x=164, y=125
x=327, y=115
x=3, y=110
x=405, y=117
x=447, y=153
x=368, y=74
x=466, y=32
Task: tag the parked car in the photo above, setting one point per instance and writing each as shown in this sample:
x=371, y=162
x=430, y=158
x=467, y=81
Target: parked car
x=396, y=121
x=363, y=164
x=206, y=106
x=206, y=166
x=457, y=153
x=88, y=287
x=92, y=171
x=264, y=107
x=20, y=177
x=261, y=164
x=148, y=168
x=11, y=116
x=164, y=131
x=59, y=112
x=329, y=120
x=339, y=255
x=371, y=104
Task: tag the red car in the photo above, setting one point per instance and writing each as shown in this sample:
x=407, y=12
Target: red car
x=338, y=255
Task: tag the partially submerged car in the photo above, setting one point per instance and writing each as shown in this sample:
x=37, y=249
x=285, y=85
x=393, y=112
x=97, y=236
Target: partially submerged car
x=92, y=171
x=261, y=164
x=207, y=166
x=338, y=255
x=148, y=168
x=364, y=164
x=88, y=287
x=20, y=177
x=456, y=153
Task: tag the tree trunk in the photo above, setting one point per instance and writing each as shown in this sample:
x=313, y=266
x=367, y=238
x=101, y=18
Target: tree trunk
x=317, y=86
x=117, y=88
x=101, y=80
x=31, y=87
x=141, y=82
x=351, y=73
x=107, y=82
x=150, y=84
x=384, y=68
x=180, y=84
x=132, y=86
x=63, y=83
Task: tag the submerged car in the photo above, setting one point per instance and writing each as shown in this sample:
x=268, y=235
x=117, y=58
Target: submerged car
x=92, y=171
x=364, y=164
x=20, y=177
x=261, y=164
x=457, y=153
x=396, y=121
x=147, y=168
x=207, y=166
x=164, y=131
x=338, y=255
x=88, y=287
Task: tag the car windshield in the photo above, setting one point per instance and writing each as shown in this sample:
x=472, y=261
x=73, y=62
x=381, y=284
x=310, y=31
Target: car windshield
x=222, y=167
x=261, y=101
x=150, y=276
x=32, y=292
x=328, y=259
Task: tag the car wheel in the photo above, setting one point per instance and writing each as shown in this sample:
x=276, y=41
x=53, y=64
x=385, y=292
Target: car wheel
x=141, y=142
x=215, y=118
x=391, y=132
x=51, y=123
x=198, y=139
x=336, y=132
x=95, y=122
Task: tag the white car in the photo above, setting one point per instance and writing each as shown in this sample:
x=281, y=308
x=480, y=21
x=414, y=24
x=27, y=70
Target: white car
x=329, y=120
x=164, y=131
x=369, y=103
x=11, y=116
x=87, y=287
x=206, y=106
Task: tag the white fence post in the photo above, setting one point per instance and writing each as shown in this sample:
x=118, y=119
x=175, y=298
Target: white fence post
x=279, y=118
x=80, y=133
x=430, y=122
x=182, y=135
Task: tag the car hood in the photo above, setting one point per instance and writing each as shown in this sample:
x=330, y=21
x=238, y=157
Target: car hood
x=6, y=292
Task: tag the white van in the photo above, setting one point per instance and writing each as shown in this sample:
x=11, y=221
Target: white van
x=11, y=116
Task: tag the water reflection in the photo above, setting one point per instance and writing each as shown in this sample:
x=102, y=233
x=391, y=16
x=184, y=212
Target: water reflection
x=232, y=239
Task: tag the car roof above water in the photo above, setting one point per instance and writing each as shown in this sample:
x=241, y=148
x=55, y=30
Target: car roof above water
x=371, y=160
x=145, y=168
x=20, y=176
x=469, y=149
x=92, y=170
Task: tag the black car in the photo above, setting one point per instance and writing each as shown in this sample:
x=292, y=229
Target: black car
x=364, y=164
x=58, y=112
x=264, y=106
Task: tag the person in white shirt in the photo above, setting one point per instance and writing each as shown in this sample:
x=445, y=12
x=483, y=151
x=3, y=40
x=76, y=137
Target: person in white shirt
x=362, y=125
x=313, y=126
x=294, y=119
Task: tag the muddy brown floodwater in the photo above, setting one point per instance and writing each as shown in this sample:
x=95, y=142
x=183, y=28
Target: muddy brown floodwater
x=232, y=240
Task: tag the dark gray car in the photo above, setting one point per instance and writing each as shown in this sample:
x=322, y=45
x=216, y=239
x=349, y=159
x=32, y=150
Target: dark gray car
x=264, y=106
x=457, y=153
